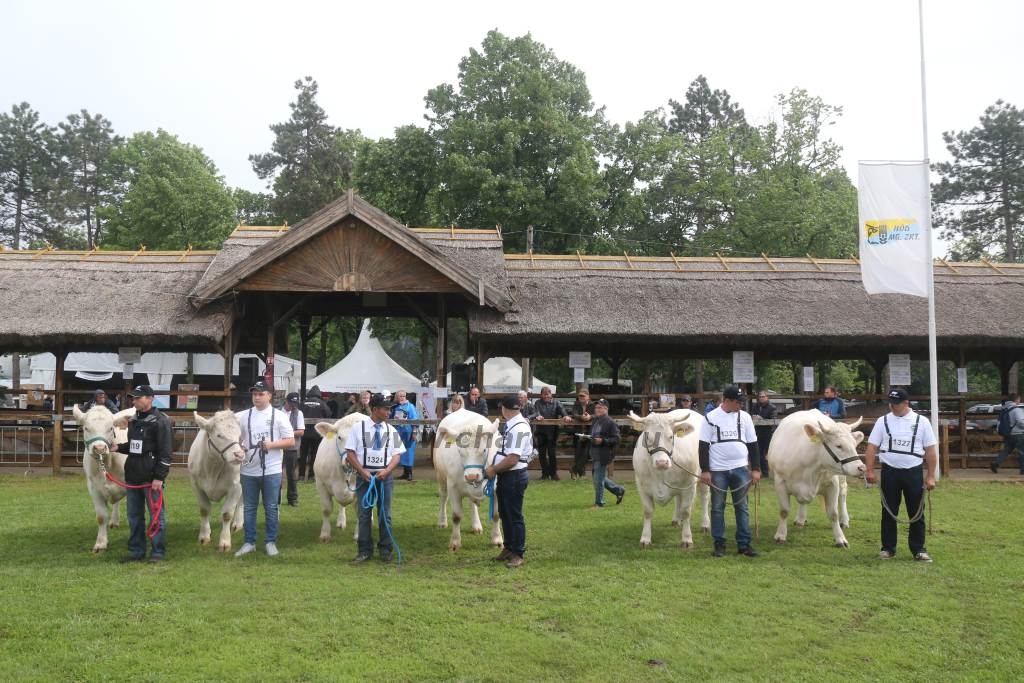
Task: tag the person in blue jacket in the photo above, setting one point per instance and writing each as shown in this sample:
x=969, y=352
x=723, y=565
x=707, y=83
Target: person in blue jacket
x=401, y=411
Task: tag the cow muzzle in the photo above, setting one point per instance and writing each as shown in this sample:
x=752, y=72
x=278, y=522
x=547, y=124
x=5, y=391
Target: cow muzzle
x=662, y=462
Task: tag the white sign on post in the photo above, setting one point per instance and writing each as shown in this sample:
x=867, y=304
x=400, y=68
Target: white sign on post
x=742, y=367
x=809, y=378
x=579, y=359
x=961, y=380
x=128, y=371
x=579, y=375
x=899, y=369
x=127, y=355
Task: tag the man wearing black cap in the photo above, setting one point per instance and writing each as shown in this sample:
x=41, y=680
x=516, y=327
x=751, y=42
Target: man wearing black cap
x=510, y=462
x=905, y=443
x=291, y=455
x=148, y=462
x=603, y=437
x=265, y=433
x=730, y=459
x=315, y=407
x=373, y=449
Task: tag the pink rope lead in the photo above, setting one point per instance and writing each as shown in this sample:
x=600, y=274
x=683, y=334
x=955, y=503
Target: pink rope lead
x=155, y=506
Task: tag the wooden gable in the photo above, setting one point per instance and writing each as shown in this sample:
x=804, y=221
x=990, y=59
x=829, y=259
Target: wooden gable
x=350, y=256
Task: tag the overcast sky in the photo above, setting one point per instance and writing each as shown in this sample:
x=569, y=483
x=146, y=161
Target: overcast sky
x=217, y=74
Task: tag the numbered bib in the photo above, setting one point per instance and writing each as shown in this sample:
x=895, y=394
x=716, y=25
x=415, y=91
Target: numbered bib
x=135, y=446
x=374, y=459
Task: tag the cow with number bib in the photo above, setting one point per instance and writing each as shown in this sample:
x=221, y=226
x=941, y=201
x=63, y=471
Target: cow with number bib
x=336, y=480
x=666, y=468
x=98, y=428
x=464, y=445
x=811, y=455
x=214, y=462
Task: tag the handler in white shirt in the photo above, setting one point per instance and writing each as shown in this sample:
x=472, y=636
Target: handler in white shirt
x=373, y=449
x=906, y=443
x=266, y=432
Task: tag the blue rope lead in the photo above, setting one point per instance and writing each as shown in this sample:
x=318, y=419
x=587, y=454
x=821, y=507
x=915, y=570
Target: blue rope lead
x=373, y=492
x=489, y=492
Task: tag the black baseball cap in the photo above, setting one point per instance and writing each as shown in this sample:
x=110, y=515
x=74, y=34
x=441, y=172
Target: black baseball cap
x=378, y=401
x=259, y=386
x=601, y=402
x=898, y=395
x=141, y=390
x=292, y=397
x=99, y=392
x=733, y=393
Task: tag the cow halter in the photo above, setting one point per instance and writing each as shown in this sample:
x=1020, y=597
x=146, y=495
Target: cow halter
x=840, y=461
x=657, y=449
x=89, y=442
x=222, y=451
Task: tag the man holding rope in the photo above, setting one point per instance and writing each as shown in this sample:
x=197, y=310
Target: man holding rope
x=147, y=465
x=730, y=460
x=906, y=443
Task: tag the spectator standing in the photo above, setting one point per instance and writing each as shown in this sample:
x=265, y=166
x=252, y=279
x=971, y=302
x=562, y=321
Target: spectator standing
x=266, y=431
x=1015, y=440
x=729, y=460
x=457, y=403
x=100, y=398
x=582, y=411
x=316, y=408
x=831, y=404
x=763, y=410
x=400, y=412
x=906, y=444
x=148, y=462
x=361, y=405
x=525, y=407
x=547, y=409
x=291, y=455
x=604, y=436
x=475, y=402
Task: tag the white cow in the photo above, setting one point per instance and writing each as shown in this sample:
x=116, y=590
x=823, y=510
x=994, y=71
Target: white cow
x=666, y=466
x=810, y=455
x=214, y=461
x=335, y=479
x=464, y=445
x=98, y=428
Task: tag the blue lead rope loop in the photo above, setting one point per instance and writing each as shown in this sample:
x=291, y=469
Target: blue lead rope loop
x=373, y=492
x=488, y=488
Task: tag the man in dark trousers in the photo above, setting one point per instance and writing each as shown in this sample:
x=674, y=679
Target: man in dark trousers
x=763, y=410
x=603, y=437
x=148, y=462
x=314, y=407
x=547, y=411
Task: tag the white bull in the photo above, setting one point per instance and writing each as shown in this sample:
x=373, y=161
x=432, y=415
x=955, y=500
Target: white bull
x=214, y=460
x=335, y=480
x=810, y=455
x=98, y=428
x=464, y=445
x=666, y=467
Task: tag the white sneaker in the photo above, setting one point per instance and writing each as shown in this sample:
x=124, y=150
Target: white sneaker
x=271, y=549
x=245, y=549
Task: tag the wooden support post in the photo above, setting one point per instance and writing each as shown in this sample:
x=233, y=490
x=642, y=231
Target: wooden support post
x=229, y=364
x=303, y=353
x=480, y=360
x=963, y=414
x=526, y=375
x=645, y=403
x=268, y=373
x=441, y=352
x=57, y=447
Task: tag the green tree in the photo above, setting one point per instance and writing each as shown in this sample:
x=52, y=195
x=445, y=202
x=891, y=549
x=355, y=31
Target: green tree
x=980, y=197
x=517, y=139
x=169, y=196
x=254, y=208
x=311, y=163
x=399, y=175
x=27, y=176
x=85, y=144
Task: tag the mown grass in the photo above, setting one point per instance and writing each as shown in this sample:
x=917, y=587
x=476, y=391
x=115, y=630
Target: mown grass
x=589, y=604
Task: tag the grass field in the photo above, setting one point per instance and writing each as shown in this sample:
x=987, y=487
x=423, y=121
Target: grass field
x=589, y=605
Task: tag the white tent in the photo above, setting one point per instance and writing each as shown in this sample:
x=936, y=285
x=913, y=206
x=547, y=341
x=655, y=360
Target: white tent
x=367, y=366
x=159, y=367
x=504, y=375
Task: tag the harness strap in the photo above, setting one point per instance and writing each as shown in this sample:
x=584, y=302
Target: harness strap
x=842, y=461
x=913, y=438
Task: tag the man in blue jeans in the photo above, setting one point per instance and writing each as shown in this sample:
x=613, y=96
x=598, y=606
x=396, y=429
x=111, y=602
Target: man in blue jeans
x=730, y=460
x=373, y=449
x=515, y=451
x=148, y=463
x=266, y=432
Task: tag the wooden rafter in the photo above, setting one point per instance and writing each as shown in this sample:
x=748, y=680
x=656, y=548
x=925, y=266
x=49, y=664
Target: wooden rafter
x=769, y=261
x=815, y=262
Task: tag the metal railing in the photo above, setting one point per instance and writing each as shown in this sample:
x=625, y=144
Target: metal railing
x=182, y=438
x=23, y=445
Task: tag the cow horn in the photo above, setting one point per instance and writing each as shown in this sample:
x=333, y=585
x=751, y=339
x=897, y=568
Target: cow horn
x=199, y=419
x=857, y=423
x=636, y=418
x=821, y=427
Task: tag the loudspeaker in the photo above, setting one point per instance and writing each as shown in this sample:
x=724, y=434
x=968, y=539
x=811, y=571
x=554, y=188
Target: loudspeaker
x=463, y=375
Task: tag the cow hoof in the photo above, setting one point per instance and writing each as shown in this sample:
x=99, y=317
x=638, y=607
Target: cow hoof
x=675, y=522
x=780, y=541
x=800, y=524
x=645, y=544
x=453, y=547
x=325, y=538
x=443, y=526
x=223, y=547
x=844, y=525
x=115, y=525
x=843, y=544
x=686, y=545
x=236, y=527
x=99, y=549
x=203, y=541
x=478, y=531
x=706, y=529
x=497, y=544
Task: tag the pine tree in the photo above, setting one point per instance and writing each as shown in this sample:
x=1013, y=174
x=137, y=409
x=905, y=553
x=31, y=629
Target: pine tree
x=85, y=144
x=27, y=173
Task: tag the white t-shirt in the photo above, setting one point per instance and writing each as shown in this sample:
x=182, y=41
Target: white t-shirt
x=518, y=442
x=363, y=433
x=262, y=429
x=729, y=441
x=903, y=438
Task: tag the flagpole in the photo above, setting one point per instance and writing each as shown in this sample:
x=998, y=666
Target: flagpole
x=933, y=370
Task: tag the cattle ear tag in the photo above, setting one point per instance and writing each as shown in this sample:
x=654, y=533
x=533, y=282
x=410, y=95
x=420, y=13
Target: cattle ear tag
x=815, y=439
x=679, y=432
x=331, y=435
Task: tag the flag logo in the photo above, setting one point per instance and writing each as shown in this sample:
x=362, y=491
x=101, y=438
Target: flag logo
x=886, y=230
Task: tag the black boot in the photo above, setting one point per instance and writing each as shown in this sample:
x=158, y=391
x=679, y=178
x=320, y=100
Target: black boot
x=408, y=473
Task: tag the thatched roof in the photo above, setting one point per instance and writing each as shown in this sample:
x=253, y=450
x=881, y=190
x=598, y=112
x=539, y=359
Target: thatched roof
x=709, y=306
x=241, y=260
x=99, y=300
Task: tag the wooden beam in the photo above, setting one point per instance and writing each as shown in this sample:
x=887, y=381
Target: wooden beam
x=57, y=447
x=430, y=323
x=291, y=311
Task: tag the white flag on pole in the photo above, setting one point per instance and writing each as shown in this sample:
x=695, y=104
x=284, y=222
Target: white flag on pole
x=894, y=226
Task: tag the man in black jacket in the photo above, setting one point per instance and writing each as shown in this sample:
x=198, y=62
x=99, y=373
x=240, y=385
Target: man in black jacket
x=314, y=407
x=148, y=463
x=547, y=410
x=763, y=410
x=603, y=437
